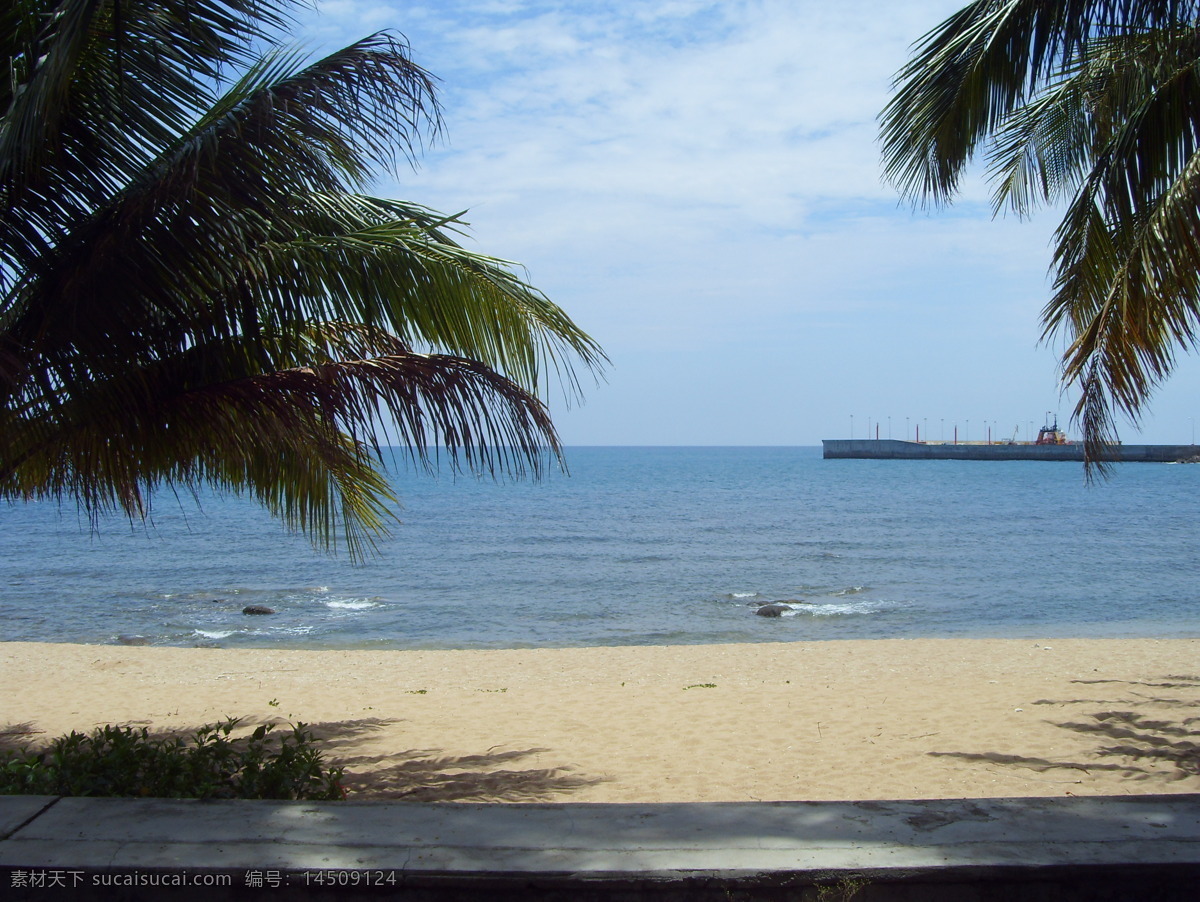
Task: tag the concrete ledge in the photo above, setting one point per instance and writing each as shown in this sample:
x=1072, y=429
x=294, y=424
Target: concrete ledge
x=1144, y=846
x=17, y=811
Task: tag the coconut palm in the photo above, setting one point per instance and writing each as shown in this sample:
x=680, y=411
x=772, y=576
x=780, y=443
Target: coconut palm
x=195, y=289
x=1092, y=105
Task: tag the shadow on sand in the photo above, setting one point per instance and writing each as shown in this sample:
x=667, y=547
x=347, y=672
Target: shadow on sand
x=429, y=775
x=1136, y=745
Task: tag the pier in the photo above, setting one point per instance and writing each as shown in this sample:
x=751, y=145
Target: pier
x=895, y=449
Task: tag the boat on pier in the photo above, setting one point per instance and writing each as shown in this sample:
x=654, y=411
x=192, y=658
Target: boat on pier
x=1051, y=444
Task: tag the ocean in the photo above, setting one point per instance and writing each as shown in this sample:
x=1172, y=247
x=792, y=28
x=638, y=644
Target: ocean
x=638, y=546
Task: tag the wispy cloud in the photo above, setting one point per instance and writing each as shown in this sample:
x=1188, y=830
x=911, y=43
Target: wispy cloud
x=698, y=184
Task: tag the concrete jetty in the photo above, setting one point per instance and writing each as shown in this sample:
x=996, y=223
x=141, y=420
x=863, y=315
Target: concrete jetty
x=895, y=449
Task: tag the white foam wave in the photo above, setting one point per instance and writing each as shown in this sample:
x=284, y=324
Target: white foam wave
x=840, y=610
x=214, y=634
x=351, y=605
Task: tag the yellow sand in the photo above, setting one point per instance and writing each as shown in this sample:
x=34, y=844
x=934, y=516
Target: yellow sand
x=892, y=719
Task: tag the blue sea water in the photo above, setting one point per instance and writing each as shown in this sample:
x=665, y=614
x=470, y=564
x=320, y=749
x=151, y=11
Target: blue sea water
x=640, y=546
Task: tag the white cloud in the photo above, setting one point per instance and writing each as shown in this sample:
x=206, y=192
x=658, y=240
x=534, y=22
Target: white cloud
x=698, y=184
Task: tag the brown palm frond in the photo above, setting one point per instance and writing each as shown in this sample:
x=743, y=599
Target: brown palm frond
x=311, y=427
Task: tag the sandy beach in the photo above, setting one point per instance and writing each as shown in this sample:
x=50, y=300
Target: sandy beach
x=883, y=719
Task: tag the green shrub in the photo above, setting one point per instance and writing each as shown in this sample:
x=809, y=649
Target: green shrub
x=121, y=761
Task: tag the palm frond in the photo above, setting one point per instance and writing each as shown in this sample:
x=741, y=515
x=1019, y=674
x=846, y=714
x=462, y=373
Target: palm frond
x=228, y=183
x=1128, y=255
x=316, y=419
x=401, y=261
x=1042, y=150
x=968, y=75
x=1094, y=101
x=1128, y=296
x=194, y=289
x=98, y=85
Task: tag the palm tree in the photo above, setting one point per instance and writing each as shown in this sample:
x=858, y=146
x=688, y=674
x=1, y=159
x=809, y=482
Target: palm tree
x=1091, y=104
x=196, y=291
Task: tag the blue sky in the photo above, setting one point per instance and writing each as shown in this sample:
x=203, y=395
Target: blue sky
x=698, y=184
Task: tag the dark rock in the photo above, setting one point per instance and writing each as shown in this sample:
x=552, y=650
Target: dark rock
x=257, y=609
x=774, y=609
x=133, y=640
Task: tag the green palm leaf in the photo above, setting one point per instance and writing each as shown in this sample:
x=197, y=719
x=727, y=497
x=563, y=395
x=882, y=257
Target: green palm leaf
x=1096, y=104
x=194, y=288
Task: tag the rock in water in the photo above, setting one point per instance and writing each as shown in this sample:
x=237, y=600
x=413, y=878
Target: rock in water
x=257, y=609
x=133, y=640
x=774, y=609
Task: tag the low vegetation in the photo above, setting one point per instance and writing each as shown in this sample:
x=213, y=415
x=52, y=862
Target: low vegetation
x=211, y=764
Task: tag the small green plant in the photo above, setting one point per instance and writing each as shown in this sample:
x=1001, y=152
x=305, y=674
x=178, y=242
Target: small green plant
x=844, y=890
x=274, y=703
x=700, y=686
x=417, y=691
x=121, y=761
